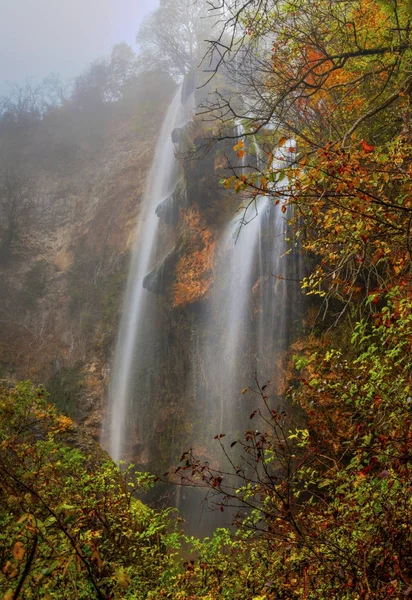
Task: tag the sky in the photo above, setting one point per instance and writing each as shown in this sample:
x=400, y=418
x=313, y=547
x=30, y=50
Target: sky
x=38, y=37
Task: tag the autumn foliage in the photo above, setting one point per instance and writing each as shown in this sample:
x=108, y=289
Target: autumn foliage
x=194, y=271
x=324, y=504
x=70, y=527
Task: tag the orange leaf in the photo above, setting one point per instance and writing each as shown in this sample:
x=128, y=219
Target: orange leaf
x=241, y=153
x=96, y=556
x=367, y=147
x=18, y=551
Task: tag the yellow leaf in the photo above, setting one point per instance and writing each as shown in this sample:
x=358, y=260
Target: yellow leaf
x=123, y=578
x=8, y=595
x=239, y=146
x=244, y=390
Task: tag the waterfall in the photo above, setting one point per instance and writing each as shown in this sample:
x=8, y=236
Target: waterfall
x=243, y=326
x=260, y=157
x=136, y=326
x=252, y=300
x=279, y=271
x=240, y=135
x=240, y=242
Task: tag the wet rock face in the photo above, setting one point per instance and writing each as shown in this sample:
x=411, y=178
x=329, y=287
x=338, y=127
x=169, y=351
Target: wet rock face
x=159, y=279
x=176, y=133
x=168, y=210
x=181, y=137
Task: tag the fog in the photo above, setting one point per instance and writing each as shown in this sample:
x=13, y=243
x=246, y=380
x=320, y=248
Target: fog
x=38, y=37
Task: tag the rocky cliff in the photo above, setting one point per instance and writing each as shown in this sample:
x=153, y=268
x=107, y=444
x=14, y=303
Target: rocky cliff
x=81, y=175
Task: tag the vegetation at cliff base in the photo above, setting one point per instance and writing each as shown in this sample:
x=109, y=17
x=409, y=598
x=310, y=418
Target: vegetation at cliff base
x=323, y=510
x=70, y=527
x=328, y=505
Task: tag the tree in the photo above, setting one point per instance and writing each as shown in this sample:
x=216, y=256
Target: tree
x=105, y=80
x=26, y=104
x=172, y=38
x=328, y=75
x=91, y=88
x=123, y=68
x=323, y=509
x=299, y=66
x=15, y=205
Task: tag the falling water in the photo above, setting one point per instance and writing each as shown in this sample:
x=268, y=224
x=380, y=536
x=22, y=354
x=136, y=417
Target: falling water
x=240, y=135
x=240, y=241
x=260, y=157
x=161, y=182
x=279, y=272
x=247, y=320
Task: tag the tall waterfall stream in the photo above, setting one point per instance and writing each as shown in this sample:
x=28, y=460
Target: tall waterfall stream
x=129, y=353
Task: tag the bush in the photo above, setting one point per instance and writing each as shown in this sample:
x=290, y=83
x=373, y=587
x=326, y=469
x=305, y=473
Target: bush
x=324, y=511
x=69, y=525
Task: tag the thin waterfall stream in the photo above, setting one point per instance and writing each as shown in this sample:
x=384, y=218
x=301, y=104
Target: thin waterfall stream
x=137, y=306
x=252, y=300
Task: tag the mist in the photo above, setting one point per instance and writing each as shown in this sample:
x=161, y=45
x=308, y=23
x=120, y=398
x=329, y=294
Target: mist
x=62, y=36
